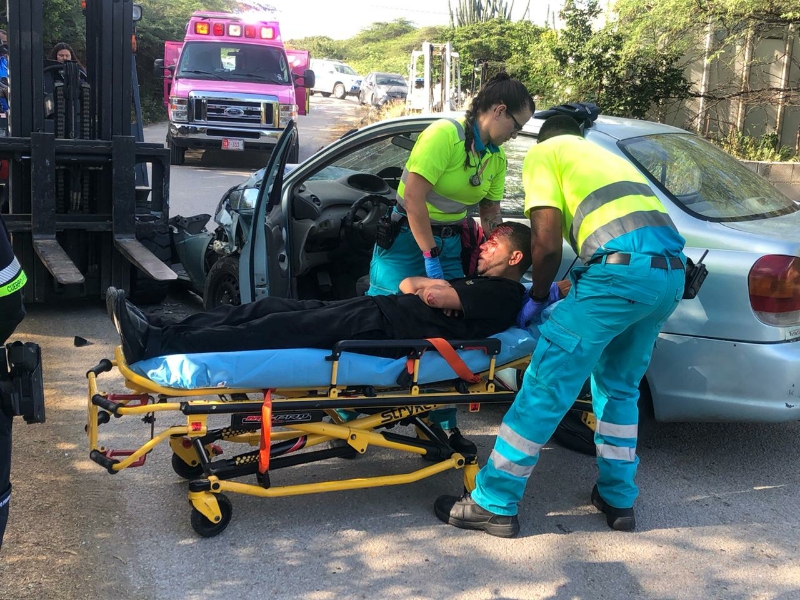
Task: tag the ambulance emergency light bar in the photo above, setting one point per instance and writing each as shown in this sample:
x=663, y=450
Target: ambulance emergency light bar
x=252, y=31
x=234, y=30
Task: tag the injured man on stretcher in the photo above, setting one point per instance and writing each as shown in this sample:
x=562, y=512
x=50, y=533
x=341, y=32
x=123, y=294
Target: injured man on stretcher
x=466, y=308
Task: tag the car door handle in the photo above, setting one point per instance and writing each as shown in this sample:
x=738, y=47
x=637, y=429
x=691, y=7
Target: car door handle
x=281, y=258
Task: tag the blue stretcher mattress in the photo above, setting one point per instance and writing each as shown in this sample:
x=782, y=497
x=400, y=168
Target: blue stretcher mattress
x=307, y=367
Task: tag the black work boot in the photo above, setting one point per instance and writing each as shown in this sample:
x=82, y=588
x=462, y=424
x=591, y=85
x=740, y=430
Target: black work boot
x=464, y=513
x=621, y=519
x=132, y=330
x=461, y=444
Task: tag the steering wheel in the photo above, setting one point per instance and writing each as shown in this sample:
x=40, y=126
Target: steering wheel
x=360, y=232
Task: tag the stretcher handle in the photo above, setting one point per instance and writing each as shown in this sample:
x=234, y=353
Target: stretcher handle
x=491, y=346
x=101, y=367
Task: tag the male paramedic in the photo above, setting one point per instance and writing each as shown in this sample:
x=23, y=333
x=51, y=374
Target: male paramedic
x=630, y=283
x=463, y=308
x=12, y=311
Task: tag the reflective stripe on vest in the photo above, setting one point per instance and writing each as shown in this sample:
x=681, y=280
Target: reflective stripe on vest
x=453, y=209
x=652, y=214
x=17, y=278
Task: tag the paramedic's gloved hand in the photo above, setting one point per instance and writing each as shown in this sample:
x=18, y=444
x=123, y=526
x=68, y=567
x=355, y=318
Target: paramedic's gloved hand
x=433, y=268
x=530, y=310
x=555, y=294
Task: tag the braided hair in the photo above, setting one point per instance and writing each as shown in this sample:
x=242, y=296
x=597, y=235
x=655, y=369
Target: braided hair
x=500, y=89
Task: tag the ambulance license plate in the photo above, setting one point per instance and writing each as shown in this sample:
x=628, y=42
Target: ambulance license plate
x=232, y=144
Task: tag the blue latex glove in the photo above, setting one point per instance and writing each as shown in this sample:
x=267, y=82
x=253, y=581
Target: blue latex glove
x=555, y=294
x=530, y=310
x=433, y=268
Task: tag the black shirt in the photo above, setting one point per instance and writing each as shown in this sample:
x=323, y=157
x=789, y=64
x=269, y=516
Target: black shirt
x=490, y=305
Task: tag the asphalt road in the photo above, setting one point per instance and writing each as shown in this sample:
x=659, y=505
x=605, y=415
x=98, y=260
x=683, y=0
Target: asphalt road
x=717, y=514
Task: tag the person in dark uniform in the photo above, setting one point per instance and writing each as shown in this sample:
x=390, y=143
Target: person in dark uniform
x=12, y=311
x=463, y=308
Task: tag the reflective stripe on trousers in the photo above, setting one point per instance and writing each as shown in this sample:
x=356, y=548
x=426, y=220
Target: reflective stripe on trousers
x=606, y=328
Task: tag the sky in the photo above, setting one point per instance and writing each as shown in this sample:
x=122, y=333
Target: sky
x=341, y=19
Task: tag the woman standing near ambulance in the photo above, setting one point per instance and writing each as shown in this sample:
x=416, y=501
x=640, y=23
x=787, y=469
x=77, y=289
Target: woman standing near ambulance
x=455, y=164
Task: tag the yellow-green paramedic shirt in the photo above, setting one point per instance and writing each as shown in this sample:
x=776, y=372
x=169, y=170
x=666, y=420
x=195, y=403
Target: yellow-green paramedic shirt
x=438, y=156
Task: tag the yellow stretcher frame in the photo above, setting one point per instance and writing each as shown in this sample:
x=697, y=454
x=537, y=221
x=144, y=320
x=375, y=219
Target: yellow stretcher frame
x=212, y=510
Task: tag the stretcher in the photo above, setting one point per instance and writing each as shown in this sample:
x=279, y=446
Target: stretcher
x=289, y=405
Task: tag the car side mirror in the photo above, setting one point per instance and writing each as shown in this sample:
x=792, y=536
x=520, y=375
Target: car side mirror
x=308, y=79
x=158, y=69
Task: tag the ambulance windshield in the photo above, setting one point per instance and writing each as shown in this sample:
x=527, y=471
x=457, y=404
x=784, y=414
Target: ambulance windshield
x=234, y=62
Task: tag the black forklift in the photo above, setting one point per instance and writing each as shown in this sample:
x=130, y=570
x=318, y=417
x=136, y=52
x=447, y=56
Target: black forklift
x=78, y=204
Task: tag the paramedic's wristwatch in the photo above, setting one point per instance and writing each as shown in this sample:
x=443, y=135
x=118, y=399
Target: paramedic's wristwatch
x=432, y=253
x=537, y=299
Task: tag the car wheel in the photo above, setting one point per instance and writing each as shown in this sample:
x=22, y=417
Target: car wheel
x=372, y=100
x=576, y=430
x=326, y=94
x=177, y=155
x=338, y=91
x=222, y=283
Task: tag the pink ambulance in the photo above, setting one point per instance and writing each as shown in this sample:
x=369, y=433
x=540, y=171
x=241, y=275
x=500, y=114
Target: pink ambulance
x=232, y=85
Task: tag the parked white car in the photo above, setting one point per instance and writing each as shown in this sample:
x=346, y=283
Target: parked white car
x=335, y=77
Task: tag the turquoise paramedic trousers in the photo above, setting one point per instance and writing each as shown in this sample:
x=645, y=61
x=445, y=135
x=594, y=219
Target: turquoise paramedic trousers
x=404, y=259
x=606, y=327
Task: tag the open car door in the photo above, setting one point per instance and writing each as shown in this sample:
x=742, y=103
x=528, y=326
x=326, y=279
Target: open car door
x=172, y=51
x=299, y=60
x=264, y=263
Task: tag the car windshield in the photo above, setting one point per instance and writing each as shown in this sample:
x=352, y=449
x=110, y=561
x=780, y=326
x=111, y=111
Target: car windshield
x=514, y=196
x=704, y=180
x=234, y=62
x=387, y=156
x=390, y=80
x=345, y=69
x=381, y=157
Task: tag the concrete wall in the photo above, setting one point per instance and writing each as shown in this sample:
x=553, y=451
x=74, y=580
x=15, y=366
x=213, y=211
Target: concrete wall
x=784, y=176
x=725, y=76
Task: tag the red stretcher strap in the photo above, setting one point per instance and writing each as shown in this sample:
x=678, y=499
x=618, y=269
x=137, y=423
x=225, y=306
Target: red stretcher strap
x=266, y=429
x=454, y=360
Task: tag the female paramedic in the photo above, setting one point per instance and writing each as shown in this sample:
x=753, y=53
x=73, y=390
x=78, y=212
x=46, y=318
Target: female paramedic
x=455, y=164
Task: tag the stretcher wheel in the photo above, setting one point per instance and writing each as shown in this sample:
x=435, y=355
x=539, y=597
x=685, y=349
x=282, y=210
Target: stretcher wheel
x=206, y=528
x=185, y=470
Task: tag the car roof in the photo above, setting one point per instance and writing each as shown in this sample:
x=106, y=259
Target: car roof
x=616, y=127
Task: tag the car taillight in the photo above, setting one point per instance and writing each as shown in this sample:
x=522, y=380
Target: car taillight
x=774, y=284
x=219, y=29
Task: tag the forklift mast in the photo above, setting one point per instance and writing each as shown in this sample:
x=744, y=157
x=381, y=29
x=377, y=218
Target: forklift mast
x=78, y=221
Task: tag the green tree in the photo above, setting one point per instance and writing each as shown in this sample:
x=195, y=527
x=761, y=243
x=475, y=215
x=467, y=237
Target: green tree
x=64, y=22
x=716, y=34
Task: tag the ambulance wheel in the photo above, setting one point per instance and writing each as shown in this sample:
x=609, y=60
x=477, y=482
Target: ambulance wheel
x=205, y=528
x=338, y=91
x=185, y=470
x=177, y=155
